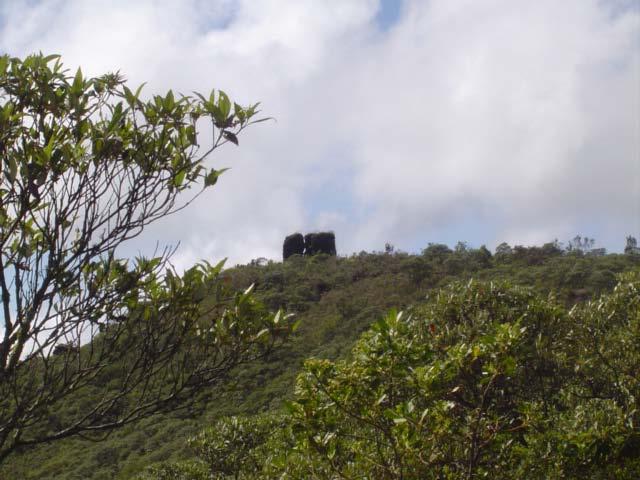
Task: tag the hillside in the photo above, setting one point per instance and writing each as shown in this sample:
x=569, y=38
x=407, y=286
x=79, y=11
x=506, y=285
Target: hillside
x=336, y=299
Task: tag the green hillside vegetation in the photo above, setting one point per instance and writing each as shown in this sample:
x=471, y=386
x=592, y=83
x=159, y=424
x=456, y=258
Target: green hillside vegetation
x=478, y=335
x=483, y=380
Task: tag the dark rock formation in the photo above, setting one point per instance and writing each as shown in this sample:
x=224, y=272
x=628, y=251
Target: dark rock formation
x=310, y=244
x=293, y=245
x=321, y=242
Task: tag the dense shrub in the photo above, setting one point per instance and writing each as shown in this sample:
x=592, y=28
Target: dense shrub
x=485, y=380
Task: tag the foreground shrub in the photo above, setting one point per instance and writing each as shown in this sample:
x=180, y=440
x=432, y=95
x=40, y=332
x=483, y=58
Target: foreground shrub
x=484, y=380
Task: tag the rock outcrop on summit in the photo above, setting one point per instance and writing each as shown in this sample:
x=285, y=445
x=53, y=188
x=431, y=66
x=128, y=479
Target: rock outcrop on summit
x=321, y=242
x=293, y=245
x=310, y=244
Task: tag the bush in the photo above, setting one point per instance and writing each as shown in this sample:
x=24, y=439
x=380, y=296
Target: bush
x=484, y=380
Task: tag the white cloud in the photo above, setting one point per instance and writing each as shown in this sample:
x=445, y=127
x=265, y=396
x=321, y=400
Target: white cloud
x=524, y=107
x=490, y=120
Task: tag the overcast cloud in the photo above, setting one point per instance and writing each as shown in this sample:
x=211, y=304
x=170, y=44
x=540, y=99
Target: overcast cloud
x=484, y=121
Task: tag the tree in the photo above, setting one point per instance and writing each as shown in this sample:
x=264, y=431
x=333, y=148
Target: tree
x=504, y=249
x=631, y=246
x=86, y=166
x=461, y=247
x=580, y=245
x=550, y=249
x=437, y=251
x=482, y=257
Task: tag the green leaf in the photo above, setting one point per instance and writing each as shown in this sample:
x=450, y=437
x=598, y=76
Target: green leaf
x=78, y=83
x=211, y=178
x=139, y=89
x=48, y=58
x=191, y=135
x=224, y=104
x=216, y=113
x=13, y=169
x=129, y=96
x=4, y=62
x=200, y=96
x=260, y=120
x=169, y=101
x=7, y=111
x=48, y=150
x=218, y=266
x=261, y=333
x=179, y=178
x=230, y=136
x=239, y=112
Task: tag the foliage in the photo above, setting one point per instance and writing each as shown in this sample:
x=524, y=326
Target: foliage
x=484, y=380
x=580, y=244
x=631, y=247
x=335, y=299
x=86, y=166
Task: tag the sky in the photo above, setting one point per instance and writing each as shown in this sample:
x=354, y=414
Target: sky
x=400, y=121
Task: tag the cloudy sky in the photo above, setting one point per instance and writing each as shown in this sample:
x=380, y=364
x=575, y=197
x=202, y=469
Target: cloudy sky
x=407, y=122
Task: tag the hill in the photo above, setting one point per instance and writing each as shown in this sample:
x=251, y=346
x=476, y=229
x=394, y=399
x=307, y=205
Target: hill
x=336, y=299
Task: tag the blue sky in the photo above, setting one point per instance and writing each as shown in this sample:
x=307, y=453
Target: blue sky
x=388, y=13
x=407, y=121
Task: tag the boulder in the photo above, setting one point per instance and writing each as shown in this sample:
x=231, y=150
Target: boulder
x=321, y=242
x=293, y=245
